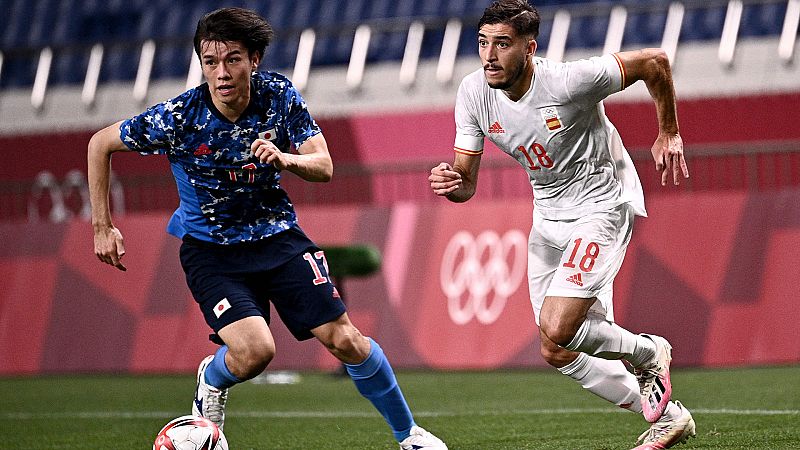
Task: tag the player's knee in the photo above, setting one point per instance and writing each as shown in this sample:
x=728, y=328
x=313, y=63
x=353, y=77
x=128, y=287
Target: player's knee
x=349, y=345
x=558, y=331
x=253, y=359
x=555, y=355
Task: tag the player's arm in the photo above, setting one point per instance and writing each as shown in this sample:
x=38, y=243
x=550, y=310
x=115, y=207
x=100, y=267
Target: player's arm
x=108, y=242
x=311, y=163
x=651, y=65
x=459, y=181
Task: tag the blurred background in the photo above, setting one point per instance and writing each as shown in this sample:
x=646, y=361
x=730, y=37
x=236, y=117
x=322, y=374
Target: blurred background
x=713, y=268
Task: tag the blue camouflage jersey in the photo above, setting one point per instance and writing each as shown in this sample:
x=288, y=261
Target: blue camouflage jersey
x=226, y=194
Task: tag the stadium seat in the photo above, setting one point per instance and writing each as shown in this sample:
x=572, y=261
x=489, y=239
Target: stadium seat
x=69, y=66
x=703, y=24
x=461, y=8
x=18, y=70
x=20, y=16
x=40, y=29
x=762, y=20
x=71, y=27
x=587, y=31
x=644, y=28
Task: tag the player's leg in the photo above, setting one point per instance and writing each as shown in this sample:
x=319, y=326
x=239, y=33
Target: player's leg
x=608, y=379
x=374, y=378
x=310, y=306
x=369, y=368
x=649, y=355
x=248, y=349
x=577, y=312
x=239, y=321
x=568, y=322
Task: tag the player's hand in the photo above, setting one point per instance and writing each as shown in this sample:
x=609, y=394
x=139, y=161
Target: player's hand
x=109, y=246
x=268, y=153
x=444, y=179
x=668, y=155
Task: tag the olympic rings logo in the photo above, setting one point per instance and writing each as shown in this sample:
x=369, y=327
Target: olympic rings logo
x=67, y=199
x=478, y=274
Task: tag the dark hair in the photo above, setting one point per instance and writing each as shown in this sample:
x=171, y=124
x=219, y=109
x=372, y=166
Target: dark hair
x=523, y=17
x=234, y=24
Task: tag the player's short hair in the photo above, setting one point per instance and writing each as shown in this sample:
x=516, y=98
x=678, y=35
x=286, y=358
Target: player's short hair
x=523, y=17
x=234, y=24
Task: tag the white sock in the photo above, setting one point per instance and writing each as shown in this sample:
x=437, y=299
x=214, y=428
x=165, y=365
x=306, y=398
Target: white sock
x=608, y=379
x=605, y=339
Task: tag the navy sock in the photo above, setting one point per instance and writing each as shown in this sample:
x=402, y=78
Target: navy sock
x=217, y=373
x=375, y=380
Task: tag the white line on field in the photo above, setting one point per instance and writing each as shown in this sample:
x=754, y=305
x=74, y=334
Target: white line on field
x=358, y=414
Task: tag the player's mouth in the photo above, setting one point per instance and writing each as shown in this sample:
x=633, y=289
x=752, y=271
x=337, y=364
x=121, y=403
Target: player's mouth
x=492, y=70
x=225, y=89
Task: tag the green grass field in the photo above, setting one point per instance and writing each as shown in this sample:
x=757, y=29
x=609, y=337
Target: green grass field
x=754, y=408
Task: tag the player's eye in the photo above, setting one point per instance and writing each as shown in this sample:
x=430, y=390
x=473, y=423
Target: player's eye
x=502, y=45
x=482, y=42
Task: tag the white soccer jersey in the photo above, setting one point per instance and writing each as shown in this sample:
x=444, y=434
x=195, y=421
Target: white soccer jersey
x=558, y=132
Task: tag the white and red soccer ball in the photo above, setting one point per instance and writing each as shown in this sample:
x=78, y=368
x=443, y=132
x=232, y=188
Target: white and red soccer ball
x=190, y=433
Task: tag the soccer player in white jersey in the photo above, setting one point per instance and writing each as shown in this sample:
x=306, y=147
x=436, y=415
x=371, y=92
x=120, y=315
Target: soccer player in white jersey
x=549, y=117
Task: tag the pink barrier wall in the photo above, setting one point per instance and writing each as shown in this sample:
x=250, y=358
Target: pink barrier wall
x=712, y=272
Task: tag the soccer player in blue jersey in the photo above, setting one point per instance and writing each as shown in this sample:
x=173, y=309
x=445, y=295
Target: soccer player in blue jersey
x=227, y=142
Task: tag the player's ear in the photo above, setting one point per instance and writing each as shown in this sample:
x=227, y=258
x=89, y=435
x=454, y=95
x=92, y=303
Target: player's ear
x=532, y=47
x=255, y=59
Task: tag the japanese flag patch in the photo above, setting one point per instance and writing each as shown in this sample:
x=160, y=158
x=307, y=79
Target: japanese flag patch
x=269, y=135
x=551, y=118
x=221, y=307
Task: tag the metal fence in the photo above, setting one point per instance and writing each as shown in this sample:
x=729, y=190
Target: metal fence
x=760, y=168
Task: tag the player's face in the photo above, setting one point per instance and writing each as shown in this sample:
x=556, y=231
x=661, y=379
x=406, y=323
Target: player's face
x=228, y=67
x=504, y=55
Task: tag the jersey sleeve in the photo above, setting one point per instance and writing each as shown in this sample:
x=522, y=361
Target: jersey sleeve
x=301, y=126
x=153, y=131
x=469, y=136
x=588, y=81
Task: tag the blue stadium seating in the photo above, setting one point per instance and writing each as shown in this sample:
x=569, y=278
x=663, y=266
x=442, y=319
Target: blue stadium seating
x=762, y=20
x=703, y=24
x=644, y=29
x=72, y=26
x=587, y=32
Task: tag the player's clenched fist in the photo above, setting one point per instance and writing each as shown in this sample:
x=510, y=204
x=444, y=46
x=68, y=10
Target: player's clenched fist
x=444, y=179
x=268, y=153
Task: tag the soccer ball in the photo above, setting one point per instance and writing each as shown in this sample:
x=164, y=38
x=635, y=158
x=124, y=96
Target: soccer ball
x=190, y=433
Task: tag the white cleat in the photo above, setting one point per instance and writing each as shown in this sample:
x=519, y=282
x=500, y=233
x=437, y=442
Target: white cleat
x=421, y=439
x=654, y=381
x=209, y=402
x=667, y=433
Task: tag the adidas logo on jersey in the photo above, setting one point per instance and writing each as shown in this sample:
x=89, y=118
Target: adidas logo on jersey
x=496, y=128
x=576, y=279
x=202, y=150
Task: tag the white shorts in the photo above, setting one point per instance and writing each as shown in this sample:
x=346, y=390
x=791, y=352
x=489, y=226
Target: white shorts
x=579, y=257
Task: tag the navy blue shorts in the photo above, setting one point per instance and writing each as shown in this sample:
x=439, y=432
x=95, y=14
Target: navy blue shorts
x=231, y=282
